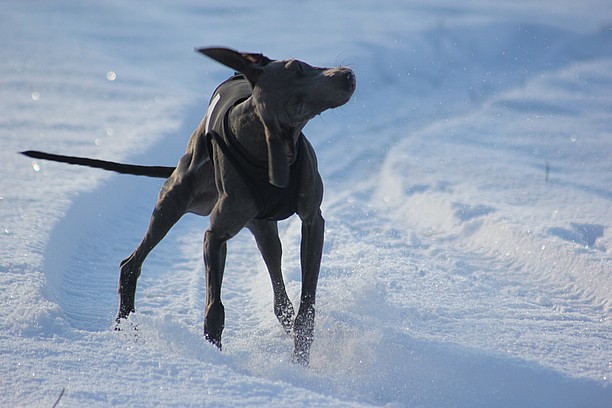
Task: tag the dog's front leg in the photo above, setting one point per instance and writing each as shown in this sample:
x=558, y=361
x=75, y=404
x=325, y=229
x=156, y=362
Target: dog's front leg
x=215, y=250
x=311, y=251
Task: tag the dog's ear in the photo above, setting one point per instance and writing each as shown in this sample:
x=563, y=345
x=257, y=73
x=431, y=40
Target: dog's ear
x=251, y=65
x=278, y=166
x=280, y=148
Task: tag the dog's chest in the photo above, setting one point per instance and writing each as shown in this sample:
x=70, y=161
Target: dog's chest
x=273, y=203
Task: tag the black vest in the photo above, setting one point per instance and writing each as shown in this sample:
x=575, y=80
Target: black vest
x=273, y=203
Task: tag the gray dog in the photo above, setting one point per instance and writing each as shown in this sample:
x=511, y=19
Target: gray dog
x=248, y=164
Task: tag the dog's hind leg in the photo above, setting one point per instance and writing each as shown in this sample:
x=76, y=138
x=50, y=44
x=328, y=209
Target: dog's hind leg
x=170, y=207
x=266, y=235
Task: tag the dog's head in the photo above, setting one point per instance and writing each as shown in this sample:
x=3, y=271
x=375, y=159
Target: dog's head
x=287, y=94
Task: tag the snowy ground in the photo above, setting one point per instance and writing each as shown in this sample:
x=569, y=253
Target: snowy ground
x=468, y=206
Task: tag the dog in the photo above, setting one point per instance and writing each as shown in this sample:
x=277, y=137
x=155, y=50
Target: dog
x=248, y=164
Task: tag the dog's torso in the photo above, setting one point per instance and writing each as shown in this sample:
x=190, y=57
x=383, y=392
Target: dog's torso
x=216, y=166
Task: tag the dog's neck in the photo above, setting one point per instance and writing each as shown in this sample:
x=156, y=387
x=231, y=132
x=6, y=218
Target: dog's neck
x=249, y=130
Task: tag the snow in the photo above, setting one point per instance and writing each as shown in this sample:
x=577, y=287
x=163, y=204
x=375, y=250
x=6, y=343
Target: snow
x=468, y=206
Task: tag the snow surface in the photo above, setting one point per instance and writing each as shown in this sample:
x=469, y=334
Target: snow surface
x=468, y=206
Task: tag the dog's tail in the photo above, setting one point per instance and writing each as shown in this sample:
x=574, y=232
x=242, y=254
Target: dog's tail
x=136, y=170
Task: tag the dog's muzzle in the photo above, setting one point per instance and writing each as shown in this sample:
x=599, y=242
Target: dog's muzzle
x=351, y=81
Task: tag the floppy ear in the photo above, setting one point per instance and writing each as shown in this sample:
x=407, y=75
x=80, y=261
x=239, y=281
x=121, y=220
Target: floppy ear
x=278, y=166
x=280, y=147
x=251, y=65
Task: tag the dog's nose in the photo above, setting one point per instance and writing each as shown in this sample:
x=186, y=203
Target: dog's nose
x=351, y=81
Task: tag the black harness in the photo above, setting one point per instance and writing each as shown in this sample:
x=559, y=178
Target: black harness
x=274, y=203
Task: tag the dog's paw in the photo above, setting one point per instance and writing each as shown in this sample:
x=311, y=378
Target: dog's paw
x=301, y=357
x=285, y=315
x=128, y=328
x=214, y=341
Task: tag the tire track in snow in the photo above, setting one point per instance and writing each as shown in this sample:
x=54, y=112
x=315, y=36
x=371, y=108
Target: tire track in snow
x=497, y=248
